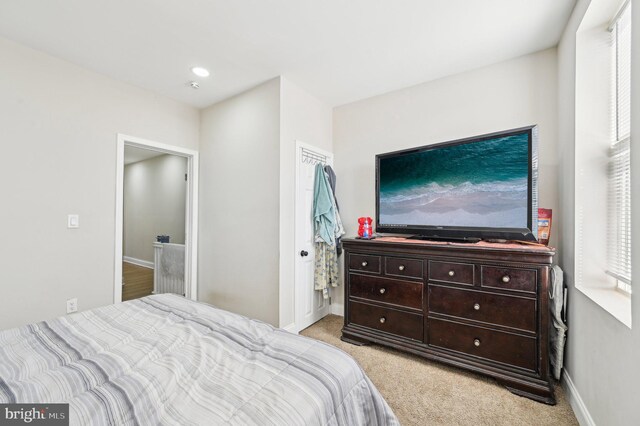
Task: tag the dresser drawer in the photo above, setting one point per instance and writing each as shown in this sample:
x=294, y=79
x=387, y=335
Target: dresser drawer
x=460, y=273
x=403, y=267
x=507, y=348
x=400, y=323
x=524, y=280
x=387, y=290
x=508, y=311
x=364, y=263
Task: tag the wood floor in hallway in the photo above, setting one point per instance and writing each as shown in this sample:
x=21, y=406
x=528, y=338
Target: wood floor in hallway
x=138, y=281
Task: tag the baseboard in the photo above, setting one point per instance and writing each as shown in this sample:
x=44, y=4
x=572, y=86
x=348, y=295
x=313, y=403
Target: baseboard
x=576, y=402
x=337, y=309
x=138, y=262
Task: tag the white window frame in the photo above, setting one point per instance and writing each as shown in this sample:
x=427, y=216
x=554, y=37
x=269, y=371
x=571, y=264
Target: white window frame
x=594, y=134
x=619, y=220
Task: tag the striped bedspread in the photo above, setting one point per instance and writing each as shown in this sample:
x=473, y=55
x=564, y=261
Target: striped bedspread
x=167, y=360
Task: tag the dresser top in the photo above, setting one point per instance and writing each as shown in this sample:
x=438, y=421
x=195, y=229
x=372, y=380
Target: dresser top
x=482, y=245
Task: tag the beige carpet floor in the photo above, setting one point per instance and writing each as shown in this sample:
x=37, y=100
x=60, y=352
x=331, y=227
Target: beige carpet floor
x=423, y=392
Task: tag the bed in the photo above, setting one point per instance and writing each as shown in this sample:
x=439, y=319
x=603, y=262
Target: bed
x=164, y=359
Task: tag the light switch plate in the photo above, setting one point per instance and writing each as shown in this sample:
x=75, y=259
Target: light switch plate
x=73, y=221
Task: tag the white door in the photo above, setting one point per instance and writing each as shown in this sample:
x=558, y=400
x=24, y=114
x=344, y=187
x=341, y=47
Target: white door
x=310, y=306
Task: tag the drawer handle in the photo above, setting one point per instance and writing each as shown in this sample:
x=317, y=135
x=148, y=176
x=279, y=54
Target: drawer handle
x=506, y=279
x=383, y=320
x=383, y=290
x=401, y=267
x=452, y=273
x=365, y=263
x=476, y=306
x=476, y=342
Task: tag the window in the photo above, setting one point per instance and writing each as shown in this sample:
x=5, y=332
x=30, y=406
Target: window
x=602, y=157
x=619, y=220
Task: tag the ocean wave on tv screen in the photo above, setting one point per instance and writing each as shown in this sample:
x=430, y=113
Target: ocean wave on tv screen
x=488, y=204
x=503, y=159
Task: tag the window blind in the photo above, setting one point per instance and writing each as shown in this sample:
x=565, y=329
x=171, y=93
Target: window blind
x=619, y=221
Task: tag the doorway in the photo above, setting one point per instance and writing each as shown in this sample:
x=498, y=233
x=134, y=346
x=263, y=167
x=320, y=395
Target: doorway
x=310, y=305
x=156, y=219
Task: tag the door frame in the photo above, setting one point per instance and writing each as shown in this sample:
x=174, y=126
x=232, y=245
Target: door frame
x=191, y=213
x=296, y=311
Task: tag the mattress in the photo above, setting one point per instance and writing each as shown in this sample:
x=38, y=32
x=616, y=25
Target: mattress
x=164, y=359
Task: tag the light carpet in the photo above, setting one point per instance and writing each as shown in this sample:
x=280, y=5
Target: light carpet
x=423, y=392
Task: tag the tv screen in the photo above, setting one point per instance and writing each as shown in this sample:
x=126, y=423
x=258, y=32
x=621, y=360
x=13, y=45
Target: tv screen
x=480, y=187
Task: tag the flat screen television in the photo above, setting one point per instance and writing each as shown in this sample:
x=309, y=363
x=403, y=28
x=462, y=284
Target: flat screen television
x=482, y=187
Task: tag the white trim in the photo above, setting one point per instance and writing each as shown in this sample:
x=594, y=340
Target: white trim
x=117, y=274
x=613, y=301
x=337, y=309
x=614, y=21
x=138, y=262
x=191, y=218
x=576, y=402
x=291, y=328
x=330, y=158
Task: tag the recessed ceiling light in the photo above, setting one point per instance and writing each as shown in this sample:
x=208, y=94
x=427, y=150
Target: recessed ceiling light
x=200, y=72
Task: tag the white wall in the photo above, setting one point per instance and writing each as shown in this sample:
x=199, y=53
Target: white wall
x=58, y=124
x=307, y=119
x=155, y=196
x=602, y=354
x=240, y=203
x=247, y=217
x=503, y=96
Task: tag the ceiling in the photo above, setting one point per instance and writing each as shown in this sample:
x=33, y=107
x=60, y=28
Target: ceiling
x=338, y=50
x=134, y=154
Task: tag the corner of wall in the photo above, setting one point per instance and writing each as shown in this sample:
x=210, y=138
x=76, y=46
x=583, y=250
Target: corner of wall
x=599, y=350
x=303, y=117
x=240, y=181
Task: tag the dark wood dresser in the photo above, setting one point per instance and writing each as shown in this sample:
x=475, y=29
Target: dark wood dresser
x=483, y=307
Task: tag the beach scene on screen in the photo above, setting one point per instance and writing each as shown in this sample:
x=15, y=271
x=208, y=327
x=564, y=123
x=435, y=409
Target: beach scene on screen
x=478, y=184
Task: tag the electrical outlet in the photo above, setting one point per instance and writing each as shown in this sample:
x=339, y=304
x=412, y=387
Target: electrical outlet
x=72, y=305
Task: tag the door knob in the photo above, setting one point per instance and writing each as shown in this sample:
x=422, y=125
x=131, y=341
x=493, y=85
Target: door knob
x=304, y=253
